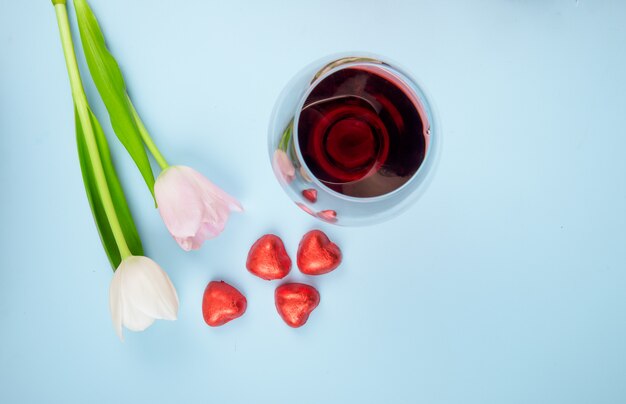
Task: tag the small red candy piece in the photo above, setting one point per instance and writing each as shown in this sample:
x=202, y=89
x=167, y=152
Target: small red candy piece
x=222, y=303
x=268, y=258
x=329, y=215
x=295, y=301
x=317, y=255
x=310, y=195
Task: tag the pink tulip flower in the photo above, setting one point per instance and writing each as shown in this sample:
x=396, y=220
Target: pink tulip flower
x=192, y=207
x=140, y=293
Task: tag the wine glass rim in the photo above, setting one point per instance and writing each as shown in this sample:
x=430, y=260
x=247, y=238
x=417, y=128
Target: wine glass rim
x=407, y=80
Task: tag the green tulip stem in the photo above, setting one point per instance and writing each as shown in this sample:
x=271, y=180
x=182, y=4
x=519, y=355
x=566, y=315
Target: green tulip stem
x=145, y=136
x=82, y=107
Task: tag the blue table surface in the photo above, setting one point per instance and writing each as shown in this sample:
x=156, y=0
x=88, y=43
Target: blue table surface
x=504, y=283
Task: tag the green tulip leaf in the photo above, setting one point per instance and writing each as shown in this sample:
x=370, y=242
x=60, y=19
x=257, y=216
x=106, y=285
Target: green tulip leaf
x=117, y=194
x=109, y=81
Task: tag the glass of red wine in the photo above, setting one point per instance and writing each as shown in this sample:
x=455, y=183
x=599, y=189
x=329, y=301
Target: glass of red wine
x=353, y=140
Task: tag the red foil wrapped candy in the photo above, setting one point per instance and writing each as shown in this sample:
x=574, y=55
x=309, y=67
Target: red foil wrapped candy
x=295, y=302
x=268, y=258
x=317, y=255
x=222, y=303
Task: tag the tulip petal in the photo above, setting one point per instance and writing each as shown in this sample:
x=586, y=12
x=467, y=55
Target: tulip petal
x=132, y=318
x=207, y=231
x=214, y=220
x=148, y=291
x=184, y=242
x=135, y=320
x=211, y=191
x=179, y=202
x=115, y=303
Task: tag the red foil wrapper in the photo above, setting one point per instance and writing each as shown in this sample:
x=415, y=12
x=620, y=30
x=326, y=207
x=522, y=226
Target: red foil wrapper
x=295, y=302
x=317, y=255
x=268, y=258
x=222, y=303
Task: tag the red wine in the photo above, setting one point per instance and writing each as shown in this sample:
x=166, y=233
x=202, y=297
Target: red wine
x=362, y=131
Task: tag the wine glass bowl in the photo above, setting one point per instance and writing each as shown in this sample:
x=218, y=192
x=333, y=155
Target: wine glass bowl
x=353, y=140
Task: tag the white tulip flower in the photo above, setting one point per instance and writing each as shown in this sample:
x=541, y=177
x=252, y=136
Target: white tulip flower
x=140, y=293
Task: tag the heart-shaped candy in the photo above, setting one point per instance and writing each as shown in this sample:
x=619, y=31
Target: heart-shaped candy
x=317, y=255
x=295, y=301
x=222, y=303
x=268, y=258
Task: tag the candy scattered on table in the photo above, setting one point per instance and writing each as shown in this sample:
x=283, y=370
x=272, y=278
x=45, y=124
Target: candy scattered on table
x=222, y=303
x=317, y=255
x=268, y=258
x=295, y=302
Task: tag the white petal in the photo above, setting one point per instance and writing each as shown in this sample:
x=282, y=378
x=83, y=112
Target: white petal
x=115, y=302
x=148, y=289
x=135, y=320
